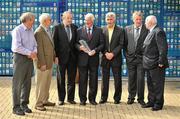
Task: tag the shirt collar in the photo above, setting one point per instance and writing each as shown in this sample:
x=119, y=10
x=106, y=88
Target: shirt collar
x=46, y=29
x=152, y=28
x=25, y=28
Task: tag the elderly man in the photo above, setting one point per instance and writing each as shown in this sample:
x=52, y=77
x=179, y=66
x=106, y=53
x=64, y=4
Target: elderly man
x=24, y=47
x=88, y=59
x=155, y=62
x=64, y=36
x=112, y=58
x=135, y=35
x=44, y=62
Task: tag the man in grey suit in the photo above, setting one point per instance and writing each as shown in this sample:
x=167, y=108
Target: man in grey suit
x=135, y=35
x=44, y=62
x=155, y=62
x=112, y=58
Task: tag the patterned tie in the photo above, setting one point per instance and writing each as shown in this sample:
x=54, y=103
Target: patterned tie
x=68, y=32
x=136, y=36
x=89, y=33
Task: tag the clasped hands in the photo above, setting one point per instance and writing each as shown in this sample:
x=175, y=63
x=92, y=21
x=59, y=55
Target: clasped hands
x=90, y=53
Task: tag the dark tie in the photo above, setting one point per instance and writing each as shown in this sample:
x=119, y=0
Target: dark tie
x=89, y=33
x=68, y=32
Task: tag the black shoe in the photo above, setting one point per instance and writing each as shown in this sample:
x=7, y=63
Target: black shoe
x=155, y=108
x=116, y=102
x=18, y=111
x=72, y=102
x=102, y=101
x=49, y=104
x=130, y=101
x=83, y=103
x=26, y=109
x=147, y=105
x=93, y=102
x=61, y=103
x=141, y=102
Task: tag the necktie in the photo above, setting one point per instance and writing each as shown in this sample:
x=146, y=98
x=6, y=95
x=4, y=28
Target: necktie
x=89, y=33
x=136, y=35
x=68, y=32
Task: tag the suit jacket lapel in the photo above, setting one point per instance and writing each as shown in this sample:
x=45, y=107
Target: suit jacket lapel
x=64, y=30
x=51, y=40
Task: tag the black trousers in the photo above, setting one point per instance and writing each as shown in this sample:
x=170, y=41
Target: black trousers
x=105, y=82
x=136, y=81
x=155, y=83
x=71, y=69
x=84, y=72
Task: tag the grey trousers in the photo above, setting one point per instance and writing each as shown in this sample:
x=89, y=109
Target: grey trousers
x=21, y=83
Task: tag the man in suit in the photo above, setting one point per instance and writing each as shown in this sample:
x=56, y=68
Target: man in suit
x=135, y=35
x=64, y=36
x=44, y=62
x=88, y=60
x=155, y=62
x=112, y=58
x=24, y=49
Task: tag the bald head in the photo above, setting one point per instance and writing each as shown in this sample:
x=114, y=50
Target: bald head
x=150, y=21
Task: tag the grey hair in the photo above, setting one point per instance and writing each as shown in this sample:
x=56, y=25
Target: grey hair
x=151, y=18
x=65, y=13
x=110, y=14
x=43, y=17
x=137, y=13
x=27, y=16
x=89, y=16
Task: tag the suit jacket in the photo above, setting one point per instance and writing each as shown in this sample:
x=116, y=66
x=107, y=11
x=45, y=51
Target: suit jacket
x=95, y=43
x=115, y=46
x=155, y=49
x=45, y=48
x=64, y=48
x=133, y=51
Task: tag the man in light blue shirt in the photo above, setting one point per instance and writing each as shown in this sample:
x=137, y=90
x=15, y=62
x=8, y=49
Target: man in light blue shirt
x=24, y=47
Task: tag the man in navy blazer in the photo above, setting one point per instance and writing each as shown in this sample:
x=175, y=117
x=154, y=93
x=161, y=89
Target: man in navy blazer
x=88, y=60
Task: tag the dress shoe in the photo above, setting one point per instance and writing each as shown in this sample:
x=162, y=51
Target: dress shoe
x=26, y=109
x=102, y=101
x=147, y=105
x=141, y=102
x=40, y=108
x=49, y=104
x=93, y=102
x=116, y=102
x=18, y=111
x=61, y=103
x=83, y=103
x=156, y=108
x=130, y=101
x=72, y=102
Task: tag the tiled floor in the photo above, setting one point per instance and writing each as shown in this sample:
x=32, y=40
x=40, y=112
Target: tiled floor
x=109, y=110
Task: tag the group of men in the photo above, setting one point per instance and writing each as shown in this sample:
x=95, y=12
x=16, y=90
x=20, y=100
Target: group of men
x=70, y=47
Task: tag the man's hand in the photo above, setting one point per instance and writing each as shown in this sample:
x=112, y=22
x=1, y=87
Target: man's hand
x=109, y=56
x=82, y=48
x=33, y=56
x=92, y=52
x=43, y=68
x=161, y=65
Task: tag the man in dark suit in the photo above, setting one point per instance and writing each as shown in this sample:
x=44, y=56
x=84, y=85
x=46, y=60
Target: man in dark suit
x=64, y=40
x=155, y=62
x=88, y=60
x=112, y=58
x=135, y=35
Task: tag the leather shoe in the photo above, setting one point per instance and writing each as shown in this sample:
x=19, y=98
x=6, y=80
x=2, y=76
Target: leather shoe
x=156, y=108
x=141, y=102
x=93, y=102
x=102, y=101
x=116, y=102
x=72, y=102
x=18, y=111
x=147, y=105
x=61, y=103
x=49, y=104
x=26, y=109
x=130, y=101
x=83, y=103
x=40, y=108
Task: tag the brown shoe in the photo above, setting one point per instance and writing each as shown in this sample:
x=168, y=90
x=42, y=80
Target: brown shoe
x=49, y=104
x=40, y=108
